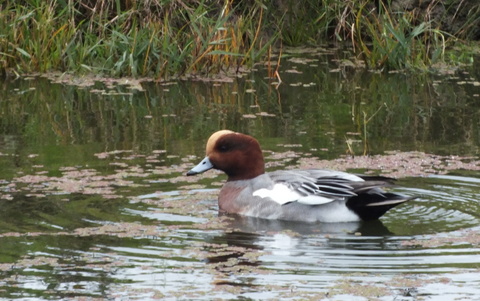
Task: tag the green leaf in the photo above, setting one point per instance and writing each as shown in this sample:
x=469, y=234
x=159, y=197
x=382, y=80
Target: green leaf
x=23, y=52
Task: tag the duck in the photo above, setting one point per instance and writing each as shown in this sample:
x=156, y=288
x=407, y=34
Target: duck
x=298, y=195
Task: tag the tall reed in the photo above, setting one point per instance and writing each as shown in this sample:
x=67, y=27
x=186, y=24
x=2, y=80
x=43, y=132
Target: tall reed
x=163, y=38
x=126, y=38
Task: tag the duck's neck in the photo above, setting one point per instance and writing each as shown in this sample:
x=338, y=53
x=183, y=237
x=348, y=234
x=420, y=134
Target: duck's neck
x=247, y=171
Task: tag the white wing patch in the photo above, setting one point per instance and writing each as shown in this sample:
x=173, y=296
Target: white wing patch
x=282, y=194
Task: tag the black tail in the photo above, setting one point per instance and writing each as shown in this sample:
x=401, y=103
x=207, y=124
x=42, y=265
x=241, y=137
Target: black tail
x=373, y=204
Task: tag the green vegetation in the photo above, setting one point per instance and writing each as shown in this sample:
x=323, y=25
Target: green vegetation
x=163, y=38
x=128, y=38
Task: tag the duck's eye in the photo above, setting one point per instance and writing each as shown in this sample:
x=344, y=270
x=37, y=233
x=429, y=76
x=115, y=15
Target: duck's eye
x=224, y=148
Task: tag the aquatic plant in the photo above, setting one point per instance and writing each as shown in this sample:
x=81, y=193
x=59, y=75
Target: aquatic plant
x=160, y=39
x=402, y=43
x=128, y=38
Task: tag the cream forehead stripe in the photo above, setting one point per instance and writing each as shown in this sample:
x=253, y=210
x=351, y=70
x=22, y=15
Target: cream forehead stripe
x=213, y=139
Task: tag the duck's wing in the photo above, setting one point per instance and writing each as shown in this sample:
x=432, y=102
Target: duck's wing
x=362, y=194
x=313, y=187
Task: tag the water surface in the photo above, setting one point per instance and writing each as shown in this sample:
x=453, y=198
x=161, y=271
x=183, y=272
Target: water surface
x=94, y=204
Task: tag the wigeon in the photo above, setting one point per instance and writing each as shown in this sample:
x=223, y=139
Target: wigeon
x=312, y=195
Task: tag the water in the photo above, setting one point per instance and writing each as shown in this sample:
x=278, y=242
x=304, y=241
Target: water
x=95, y=205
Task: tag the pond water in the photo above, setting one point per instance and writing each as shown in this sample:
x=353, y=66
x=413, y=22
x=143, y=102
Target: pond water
x=94, y=203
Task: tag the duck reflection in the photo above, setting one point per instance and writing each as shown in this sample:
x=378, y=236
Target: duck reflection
x=259, y=226
x=248, y=245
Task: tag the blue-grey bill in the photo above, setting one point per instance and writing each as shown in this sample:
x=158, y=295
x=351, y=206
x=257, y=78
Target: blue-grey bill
x=201, y=167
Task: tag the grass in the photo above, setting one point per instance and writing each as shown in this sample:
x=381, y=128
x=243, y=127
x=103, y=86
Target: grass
x=397, y=43
x=165, y=38
x=116, y=40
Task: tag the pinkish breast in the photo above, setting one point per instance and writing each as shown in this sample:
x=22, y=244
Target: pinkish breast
x=228, y=199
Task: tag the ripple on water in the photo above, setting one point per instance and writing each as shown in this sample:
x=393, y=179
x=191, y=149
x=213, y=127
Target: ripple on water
x=428, y=248
x=445, y=203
